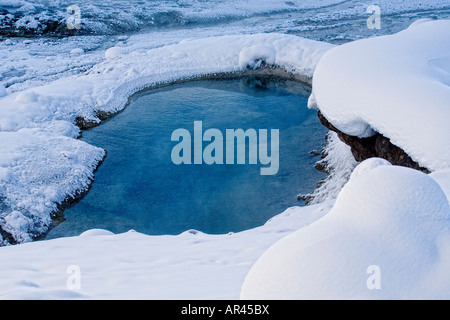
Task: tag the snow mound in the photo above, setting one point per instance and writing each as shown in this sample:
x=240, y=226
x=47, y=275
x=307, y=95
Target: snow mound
x=131, y=265
x=398, y=85
x=96, y=232
x=443, y=178
x=368, y=165
x=254, y=56
x=387, y=237
x=39, y=170
x=114, y=52
x=27, y=97
x=76, y=51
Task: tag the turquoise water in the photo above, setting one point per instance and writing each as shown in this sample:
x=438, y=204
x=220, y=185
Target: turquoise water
x=139, y=187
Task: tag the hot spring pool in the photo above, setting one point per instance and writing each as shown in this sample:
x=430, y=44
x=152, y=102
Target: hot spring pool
x=139, y=187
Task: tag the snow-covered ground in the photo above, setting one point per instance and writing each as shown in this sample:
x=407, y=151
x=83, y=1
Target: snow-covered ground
x=393, y=218
x=28, y=62
x=192, y=265
x=385, y=217
x=387, y=237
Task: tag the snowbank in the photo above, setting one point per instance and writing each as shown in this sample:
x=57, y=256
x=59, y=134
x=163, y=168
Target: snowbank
x=131, y=265
x=443, y=178
x=55, y=107
x=387, y=219
x=38, y=170
x=397, y=85
x=387, y=237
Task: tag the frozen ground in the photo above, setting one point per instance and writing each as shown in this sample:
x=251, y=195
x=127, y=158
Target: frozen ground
x=28, y=17
x=192, y=265
x=27, y=62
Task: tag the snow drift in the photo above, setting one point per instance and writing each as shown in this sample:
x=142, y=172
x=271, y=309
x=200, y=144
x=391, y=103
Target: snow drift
x=397, y=85
x=391, y=219
x=132, y=265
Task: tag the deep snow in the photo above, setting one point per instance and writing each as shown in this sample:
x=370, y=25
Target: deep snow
x=393, y=218
x=131, y=265
x=397, y=85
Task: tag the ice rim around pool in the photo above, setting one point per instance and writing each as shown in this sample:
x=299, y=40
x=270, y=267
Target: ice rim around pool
x=262, y=77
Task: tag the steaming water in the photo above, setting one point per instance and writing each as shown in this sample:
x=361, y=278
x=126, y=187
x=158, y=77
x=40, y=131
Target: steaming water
x=138, y=186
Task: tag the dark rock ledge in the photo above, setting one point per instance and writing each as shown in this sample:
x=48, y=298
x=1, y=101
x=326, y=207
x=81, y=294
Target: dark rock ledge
x=375, y=146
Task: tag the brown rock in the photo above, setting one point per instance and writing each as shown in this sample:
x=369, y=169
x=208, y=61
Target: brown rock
x=375, y=146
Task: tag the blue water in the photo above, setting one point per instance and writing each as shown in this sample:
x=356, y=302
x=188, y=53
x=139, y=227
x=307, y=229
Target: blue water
x=139, y=187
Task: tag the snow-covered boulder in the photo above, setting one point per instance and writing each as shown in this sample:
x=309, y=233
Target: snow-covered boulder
x=114, y=52
x=76, y=51
x=397, y=85
x=387, y=237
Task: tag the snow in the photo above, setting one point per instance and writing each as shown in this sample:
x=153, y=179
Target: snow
x=115, y=16
x=396, y=85
x=368, y=165
x=338, y=162
x=38, y=170
x=443, y=178
x=44, y=60
x=391, y=217
x=95, y=233
x=131, y=265
x=76, y=51
x=252, y=57
x=387, y=219
x=2, y=90
x=114, y=52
